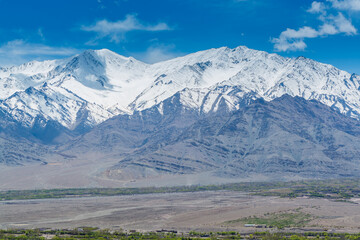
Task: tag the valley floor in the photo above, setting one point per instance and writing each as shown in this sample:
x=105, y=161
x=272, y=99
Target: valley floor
x=183, y=212
x=90, y=172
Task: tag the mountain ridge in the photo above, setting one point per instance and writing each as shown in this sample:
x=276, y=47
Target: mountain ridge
x=285, y=138
x=82, y=91
x=288, y=135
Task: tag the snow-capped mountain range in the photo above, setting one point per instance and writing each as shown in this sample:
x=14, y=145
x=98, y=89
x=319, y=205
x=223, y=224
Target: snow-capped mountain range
x=96, y=85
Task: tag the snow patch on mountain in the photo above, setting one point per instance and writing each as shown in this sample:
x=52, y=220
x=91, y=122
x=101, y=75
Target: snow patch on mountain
x=99, y=84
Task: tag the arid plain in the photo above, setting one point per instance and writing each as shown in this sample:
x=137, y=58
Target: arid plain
x=183, y=212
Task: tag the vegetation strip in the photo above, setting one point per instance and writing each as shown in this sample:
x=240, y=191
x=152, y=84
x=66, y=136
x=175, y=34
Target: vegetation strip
x=280, y=220
x=93, y=233
x=339, y=190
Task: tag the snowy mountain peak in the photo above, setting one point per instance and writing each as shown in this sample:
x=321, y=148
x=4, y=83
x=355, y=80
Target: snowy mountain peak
x=107, y=56
x=106, y=53
x=98, y=84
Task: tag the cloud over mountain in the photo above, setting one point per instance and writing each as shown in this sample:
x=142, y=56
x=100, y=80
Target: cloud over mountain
x=333, y=21
x=116, y=30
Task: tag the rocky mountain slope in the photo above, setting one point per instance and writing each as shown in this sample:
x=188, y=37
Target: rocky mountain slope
x=82, y=91
x=228, y=112
x=283, y=137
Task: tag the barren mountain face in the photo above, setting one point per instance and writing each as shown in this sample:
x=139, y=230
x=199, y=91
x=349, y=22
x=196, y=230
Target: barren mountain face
x=227, y=112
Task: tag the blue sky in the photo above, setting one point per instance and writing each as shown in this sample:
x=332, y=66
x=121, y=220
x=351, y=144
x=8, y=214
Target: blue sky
x=155, y=30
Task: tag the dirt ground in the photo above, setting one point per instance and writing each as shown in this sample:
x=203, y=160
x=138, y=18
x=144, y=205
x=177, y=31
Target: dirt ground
x=85, y=173
x=201, y=211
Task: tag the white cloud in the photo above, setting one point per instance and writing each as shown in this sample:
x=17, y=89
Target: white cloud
x=344, y=25
x=283, y=45
x=304, y=32
x=40, y=33
x=18, y=51
x=328, y=29
x=317, y=7
x=158, y=53
x=116, y=30
x=351, y=5
x=294, y=40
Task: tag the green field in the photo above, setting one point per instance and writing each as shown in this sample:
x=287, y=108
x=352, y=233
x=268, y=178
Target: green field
x=280, y=220
x=91, y=233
